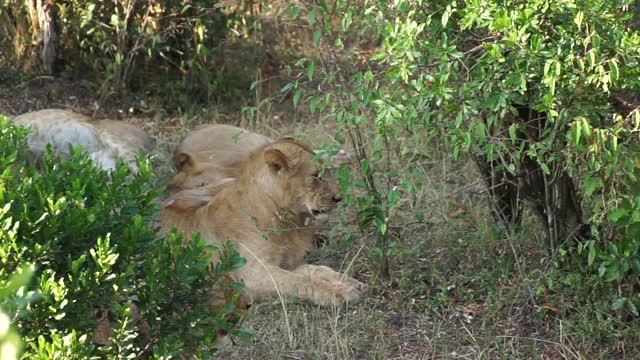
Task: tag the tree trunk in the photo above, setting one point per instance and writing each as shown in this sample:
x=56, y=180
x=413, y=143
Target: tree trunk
x=43, y=17
x=555, y=202
x=507, y=202
x=552, y=196
x=49, y=52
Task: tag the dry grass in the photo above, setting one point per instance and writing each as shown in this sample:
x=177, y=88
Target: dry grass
x=460, y=289
x=437, y=304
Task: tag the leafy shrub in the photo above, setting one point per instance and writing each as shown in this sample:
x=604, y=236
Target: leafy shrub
x=105, y=285
x=10, y=343
x=543, y=93
x=128, y=39
x=124, y=44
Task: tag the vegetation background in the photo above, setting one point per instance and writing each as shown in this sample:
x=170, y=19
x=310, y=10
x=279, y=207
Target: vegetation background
x=493, y=198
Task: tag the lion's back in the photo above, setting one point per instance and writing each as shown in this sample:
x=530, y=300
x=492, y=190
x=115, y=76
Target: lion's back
x=222, y=145
x=103, y=140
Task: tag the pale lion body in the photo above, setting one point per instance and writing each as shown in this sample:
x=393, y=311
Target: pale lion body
x=213, y=154
x=104, y=140
x=265, y=211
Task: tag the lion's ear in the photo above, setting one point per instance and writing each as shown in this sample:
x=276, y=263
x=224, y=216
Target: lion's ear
x=185, y=161
x=276, y=160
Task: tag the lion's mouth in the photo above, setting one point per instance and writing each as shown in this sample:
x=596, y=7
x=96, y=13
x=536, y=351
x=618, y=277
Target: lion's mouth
x=319, y=212
x=320, y=215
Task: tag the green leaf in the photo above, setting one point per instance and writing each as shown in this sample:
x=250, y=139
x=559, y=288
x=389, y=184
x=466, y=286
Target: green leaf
x=592, y=253
x=632, y=308
x=316, y=37
x=603, y=268
x=615, y=215
x=635, y=265
x=618, y=303
x=592, y=57
x=201, y=32
x=614, y=142
x=286, y=87
x=445, y=16
x=296, y=97
x=614, y=71
x=364, y=164
x=591, y=184
x=228, y=308
x=545, y=168
x=310, y=70
x=383, y=228
x=312, y=17
x=20, y=278
x=547, y=67
x=578, y=19
x=393, y=197
x=576, y=129
x=513, y=132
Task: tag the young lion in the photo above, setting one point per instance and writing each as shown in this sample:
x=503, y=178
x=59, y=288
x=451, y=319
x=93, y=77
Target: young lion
x=265, y=212
x=104, y=140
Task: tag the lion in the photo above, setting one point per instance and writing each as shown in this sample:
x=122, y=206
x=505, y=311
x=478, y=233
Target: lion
x=212, y=154
x=104, y=140
x=265, y=211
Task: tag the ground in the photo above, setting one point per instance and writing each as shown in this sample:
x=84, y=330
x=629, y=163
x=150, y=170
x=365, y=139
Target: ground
x=459, y=287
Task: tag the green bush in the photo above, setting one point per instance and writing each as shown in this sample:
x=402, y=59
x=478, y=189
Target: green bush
x=10, y=343
x=104, y=285
x=124, y=45
x=542, y=93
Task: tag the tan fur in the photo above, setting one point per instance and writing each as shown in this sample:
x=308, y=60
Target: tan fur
x=104, y=140
x=212, y=153
x=266, y=211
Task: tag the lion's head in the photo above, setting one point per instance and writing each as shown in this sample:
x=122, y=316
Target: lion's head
x=288, y=173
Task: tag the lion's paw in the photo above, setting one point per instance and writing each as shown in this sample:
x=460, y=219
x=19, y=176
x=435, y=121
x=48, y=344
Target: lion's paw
x=350, y=290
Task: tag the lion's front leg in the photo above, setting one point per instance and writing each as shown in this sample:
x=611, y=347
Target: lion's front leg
x=328, y=274
x=269, y=280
